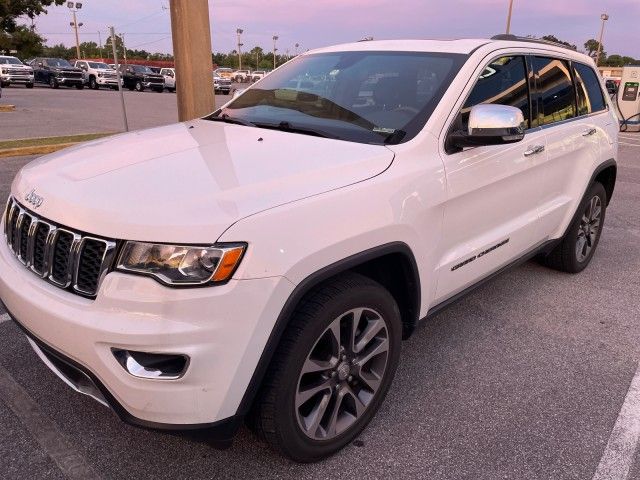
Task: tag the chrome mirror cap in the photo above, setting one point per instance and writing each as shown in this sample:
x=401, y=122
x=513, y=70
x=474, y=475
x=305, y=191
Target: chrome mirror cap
x=490, y=120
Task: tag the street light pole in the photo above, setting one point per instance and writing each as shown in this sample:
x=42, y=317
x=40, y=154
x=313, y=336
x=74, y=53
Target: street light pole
x=119, y=77
x=74, y=7
x=604, y=17
x=239, y=31
x=509, y=17
x=275, y=39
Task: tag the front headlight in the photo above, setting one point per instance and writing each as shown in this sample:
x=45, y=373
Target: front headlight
x=179, y=265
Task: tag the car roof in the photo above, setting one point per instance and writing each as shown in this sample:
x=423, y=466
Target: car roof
x=463, y=46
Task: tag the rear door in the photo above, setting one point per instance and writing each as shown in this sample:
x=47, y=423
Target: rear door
x=491, y=213
x=573, y=137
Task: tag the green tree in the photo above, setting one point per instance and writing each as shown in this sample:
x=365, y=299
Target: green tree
x=23, y=40
x=12, y=10
x=59, y=51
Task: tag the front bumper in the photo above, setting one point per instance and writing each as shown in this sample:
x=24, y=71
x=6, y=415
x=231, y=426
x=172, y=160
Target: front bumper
x=223, y=330
x=153, y=85
x=21, y=79
x=70, y=81
x=111, y=82
x=222, y=88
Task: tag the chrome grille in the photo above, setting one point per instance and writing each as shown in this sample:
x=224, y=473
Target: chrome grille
x=64, y=257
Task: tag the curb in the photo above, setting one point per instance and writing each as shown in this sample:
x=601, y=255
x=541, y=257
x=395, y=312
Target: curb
x=7, y=108
x=36, y=150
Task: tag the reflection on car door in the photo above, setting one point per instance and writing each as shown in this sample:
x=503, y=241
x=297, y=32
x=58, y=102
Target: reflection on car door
x=491, y=214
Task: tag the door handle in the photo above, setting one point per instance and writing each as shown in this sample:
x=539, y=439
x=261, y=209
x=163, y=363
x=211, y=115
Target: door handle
x=534, y=150
x=589, y=132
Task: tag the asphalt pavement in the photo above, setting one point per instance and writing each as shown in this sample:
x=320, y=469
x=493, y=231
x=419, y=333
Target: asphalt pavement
x=44, y=112
x=523, y=379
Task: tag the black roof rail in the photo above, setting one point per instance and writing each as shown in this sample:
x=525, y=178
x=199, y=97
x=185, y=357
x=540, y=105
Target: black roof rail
x=515, y=38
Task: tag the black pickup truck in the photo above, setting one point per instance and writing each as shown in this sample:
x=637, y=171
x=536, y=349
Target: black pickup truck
x=57, y=72
x=140, y=77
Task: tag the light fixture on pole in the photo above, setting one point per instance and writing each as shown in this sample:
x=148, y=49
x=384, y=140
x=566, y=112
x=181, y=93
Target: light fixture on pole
x=275, y=39
x=74, y=7
x=508, y=32
x=297, y=45
x=239, y=31
x=604, y=17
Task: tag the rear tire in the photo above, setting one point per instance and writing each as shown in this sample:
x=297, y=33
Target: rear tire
x=349, y=374
x=577, y=247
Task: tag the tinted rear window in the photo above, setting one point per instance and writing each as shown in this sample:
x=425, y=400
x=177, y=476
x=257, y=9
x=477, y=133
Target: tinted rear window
x=590, y=97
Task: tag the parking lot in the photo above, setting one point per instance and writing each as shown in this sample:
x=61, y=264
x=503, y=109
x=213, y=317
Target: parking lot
x=525, y=378
x=43, y=112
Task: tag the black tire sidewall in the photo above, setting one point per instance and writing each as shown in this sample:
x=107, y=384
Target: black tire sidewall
x=296, y=444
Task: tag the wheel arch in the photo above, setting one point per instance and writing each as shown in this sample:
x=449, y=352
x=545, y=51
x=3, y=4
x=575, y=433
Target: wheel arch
x=403, y=283
x=606, y=174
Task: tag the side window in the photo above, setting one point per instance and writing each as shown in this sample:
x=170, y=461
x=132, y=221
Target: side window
x=504, y=81
x=555, y=87
x=590, y=96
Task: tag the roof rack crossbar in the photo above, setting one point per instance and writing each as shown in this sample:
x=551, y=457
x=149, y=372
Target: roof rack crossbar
x=515, y=38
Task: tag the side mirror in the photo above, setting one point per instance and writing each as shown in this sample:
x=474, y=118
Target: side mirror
x=491, y=124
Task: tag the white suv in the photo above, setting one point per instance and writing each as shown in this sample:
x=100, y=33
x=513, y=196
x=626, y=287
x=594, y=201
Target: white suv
x=265, y=262
x=97, y=74
x=169, y=75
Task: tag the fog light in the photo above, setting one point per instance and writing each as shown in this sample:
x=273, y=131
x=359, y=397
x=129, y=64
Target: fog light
x=158, y=366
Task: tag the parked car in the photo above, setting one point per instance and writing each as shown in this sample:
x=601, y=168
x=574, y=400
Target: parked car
x=98, y=74
x=258, y=75
x=241, y=76
x=169, y=75
x=224, y=73
x=267, y=261
x=221, y=85
x=57, y=72
x=140, y=78
x=13, y=71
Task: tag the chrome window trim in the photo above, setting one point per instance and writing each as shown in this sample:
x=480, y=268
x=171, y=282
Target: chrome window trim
x=107, y=260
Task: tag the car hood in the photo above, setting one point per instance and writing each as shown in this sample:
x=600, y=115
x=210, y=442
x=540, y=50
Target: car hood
x=187, y=183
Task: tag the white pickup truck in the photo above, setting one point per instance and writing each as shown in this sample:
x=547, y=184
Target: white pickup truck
x=169, y=75
x=97, y=74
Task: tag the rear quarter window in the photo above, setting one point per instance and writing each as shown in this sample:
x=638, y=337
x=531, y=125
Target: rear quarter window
x=590, y=96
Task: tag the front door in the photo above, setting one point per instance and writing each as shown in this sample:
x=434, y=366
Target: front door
x=491, y=214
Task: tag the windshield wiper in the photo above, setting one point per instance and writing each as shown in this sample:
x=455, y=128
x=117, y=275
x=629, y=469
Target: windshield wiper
x=233, y=120
x=287, y=127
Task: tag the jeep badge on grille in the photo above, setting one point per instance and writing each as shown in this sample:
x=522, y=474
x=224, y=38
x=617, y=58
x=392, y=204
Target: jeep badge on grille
x=34, y=199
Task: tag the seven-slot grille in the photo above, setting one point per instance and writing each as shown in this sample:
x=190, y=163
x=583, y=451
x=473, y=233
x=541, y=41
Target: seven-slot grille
x=64, y=257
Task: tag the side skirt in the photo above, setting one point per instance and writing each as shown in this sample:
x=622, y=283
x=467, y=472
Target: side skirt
x=543, y=248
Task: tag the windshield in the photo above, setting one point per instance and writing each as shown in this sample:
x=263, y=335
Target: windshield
x=142, y=69
x=10, y=61
x=99, y=66
x=57, y=62
x=367, y=97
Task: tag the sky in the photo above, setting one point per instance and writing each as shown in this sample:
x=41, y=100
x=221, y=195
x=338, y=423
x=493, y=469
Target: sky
x=317, y=23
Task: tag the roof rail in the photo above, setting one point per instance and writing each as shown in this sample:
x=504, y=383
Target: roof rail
x=515, y=38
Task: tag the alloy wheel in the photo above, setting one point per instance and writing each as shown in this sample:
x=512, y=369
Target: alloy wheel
x=588, y=229
x=342, y=374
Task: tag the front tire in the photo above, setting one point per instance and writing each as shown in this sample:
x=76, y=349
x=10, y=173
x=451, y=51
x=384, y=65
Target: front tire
x=53, y=83
x=332, y=369
x=577, y=247
x=93, y=85
x=139, y=87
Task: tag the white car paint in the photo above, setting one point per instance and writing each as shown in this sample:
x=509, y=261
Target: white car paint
x=169, y=75
x=18, y=72
x=307, y=203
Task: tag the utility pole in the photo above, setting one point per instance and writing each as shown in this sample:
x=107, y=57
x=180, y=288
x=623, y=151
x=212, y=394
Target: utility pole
x=191, y=30
x=239, y=32
x=74, y=7
x=604, y=17
x=118, y=74
x=509, y=17
x=275, y=39
x=100, y=44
